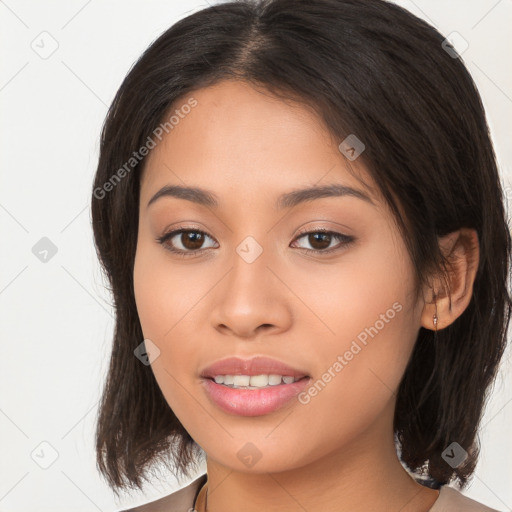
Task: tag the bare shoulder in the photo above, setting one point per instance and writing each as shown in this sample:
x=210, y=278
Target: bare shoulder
x=179, y=501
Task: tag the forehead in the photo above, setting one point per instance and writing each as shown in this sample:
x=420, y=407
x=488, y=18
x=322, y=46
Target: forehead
x=236, y=137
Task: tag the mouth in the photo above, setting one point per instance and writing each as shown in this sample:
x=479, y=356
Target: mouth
x=261, y=381
x=261, y=367
x=252, y=387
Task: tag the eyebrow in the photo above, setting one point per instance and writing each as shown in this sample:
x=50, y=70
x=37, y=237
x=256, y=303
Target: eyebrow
x=287, y=200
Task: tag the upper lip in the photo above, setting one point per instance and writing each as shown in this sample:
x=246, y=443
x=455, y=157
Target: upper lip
x=254, y=366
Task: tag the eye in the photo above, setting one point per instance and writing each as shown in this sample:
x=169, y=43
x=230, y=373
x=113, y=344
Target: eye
x=189, y=242
x=184, y=242
x=321, y=240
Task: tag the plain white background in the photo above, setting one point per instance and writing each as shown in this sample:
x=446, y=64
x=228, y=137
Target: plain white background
x=56, y=322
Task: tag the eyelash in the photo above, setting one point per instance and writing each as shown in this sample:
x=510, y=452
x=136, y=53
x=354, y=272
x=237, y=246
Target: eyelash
x=345, y=240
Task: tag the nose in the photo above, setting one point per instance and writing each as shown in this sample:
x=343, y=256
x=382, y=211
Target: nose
x=252, y=300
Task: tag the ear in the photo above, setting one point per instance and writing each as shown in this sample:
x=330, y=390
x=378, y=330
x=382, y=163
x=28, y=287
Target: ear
x=462, y=250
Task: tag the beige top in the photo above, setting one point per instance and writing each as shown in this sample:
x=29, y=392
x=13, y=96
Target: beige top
x=192, y=498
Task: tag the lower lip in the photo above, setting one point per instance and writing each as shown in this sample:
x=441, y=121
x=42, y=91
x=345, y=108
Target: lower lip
x=253, y=402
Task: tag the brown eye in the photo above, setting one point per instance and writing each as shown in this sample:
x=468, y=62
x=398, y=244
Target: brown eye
x=320, y=241
x=192, y=240
x=185, y=242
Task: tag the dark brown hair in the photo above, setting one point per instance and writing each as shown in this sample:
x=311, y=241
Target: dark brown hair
x=366, y=67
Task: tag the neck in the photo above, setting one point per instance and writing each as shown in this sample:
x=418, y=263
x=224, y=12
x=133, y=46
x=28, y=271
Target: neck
x=366, y=475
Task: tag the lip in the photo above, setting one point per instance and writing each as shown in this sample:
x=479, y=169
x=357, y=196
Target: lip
x=252, y=402
x=254, y=366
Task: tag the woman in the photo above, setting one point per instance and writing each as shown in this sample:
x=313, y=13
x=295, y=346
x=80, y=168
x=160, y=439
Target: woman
x=298, y=210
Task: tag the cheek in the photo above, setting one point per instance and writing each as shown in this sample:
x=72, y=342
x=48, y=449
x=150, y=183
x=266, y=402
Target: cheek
x=164, y=292
x=148, y=291
x=368, y=307
x=165, y=297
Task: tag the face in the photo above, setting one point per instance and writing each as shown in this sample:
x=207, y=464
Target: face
x=324, y=286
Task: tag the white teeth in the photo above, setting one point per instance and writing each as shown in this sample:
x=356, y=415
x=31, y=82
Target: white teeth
x=254, y=381
x=273, y=380
x=241, y=380
x=259, y=381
